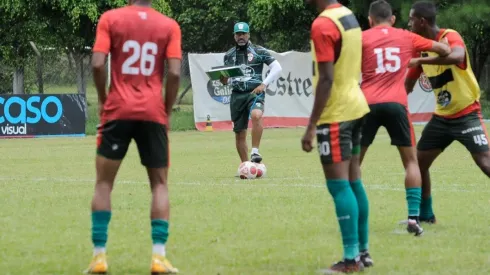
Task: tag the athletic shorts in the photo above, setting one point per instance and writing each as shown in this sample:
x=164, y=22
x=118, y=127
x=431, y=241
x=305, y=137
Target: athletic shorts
x=337, y=142
x=395, y=118
x=114, y=137
x=241, y=104
x=469, y=130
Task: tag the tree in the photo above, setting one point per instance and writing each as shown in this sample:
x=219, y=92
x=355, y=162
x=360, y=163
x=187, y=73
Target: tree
x=17, y=27
x=361, y=9
x=69, y=26
x=207, y=25
x=284, y=25
x=471, y=20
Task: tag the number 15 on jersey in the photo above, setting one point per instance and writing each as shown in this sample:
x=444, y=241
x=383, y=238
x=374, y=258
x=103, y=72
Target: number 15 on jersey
x=388, y=60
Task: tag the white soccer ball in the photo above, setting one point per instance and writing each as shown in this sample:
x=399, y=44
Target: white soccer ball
x=247, y=170
x=261, y=170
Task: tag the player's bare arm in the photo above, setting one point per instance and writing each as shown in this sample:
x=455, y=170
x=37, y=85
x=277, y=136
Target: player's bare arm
x=101, y=50
x=412, y=76
x=173, y=58
x=172, y=85
x=100, y=76
x=441, y=49
x=322, y=93
x=456, y=57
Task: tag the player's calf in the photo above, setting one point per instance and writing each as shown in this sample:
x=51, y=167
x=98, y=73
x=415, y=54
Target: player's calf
x=483, y=161
x=257, y=130
x=241, y=145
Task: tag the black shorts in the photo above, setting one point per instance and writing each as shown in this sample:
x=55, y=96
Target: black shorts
x=337, y=142
x=395, y=118
x=469, y=130
x=114, y=137
x=241, y=105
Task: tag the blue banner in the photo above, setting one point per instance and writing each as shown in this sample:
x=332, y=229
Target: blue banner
x=42, y=115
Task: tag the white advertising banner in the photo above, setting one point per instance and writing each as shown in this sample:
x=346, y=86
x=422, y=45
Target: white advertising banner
x=288, y=100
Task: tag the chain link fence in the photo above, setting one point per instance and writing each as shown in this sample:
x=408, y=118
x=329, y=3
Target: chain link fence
x=56, y=73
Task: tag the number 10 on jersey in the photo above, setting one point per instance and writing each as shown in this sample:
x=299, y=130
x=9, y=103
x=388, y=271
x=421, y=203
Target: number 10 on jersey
x=145, y=54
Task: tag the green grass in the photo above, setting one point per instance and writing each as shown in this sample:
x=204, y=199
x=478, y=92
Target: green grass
x=282, y=224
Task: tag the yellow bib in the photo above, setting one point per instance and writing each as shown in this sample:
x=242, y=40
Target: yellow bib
x=454, y=88
x=346, y=102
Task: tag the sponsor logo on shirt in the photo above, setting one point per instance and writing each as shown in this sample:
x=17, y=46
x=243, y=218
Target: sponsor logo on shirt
x=424, y=83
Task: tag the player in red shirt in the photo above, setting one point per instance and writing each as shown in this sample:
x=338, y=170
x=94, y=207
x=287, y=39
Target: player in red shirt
x=139, y=40
x=387, y=51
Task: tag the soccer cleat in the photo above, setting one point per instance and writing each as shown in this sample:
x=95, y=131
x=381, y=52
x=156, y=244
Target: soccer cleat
x=431, y=220
x=345, y=266
x=255, y=157
x=366, y=259
x=161, y=265
x=414, y=227
x=98, y=265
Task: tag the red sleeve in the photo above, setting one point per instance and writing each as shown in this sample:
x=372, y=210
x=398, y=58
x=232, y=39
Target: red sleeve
x=419, y=43
x=414, y=73
x=174, y=46
x=455, y=40
x=325, y=35
x=103, y=35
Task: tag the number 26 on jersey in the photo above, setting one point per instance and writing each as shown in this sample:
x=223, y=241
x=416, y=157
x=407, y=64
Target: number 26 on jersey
x=145, y=54
x=388, y=60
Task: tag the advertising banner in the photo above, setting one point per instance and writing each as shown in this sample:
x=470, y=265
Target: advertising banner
x=288, y=100
x=41, y=115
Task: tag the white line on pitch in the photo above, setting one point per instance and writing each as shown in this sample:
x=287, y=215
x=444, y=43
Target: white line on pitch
x=259, y=183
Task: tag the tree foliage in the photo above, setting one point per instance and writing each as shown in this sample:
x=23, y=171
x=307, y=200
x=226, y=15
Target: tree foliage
x=471, y=20
x=18, y=26
x=283, y=25
x=68, y=26
x=207, y=25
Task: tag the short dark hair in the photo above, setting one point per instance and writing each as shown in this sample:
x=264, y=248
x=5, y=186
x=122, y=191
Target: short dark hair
x=426, y=10
x=380, y=11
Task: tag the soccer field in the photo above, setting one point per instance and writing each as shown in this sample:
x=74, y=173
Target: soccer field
x=282, y=224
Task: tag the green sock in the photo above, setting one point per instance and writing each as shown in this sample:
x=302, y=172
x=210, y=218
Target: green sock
x=347, y=214
x=159, y=231
x=100, y=223
x=363, y=203
x=426, y=211
x=414, y=197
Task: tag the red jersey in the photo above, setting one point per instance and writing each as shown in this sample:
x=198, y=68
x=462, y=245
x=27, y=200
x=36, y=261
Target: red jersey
x=386, y=53
x=139, y=40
